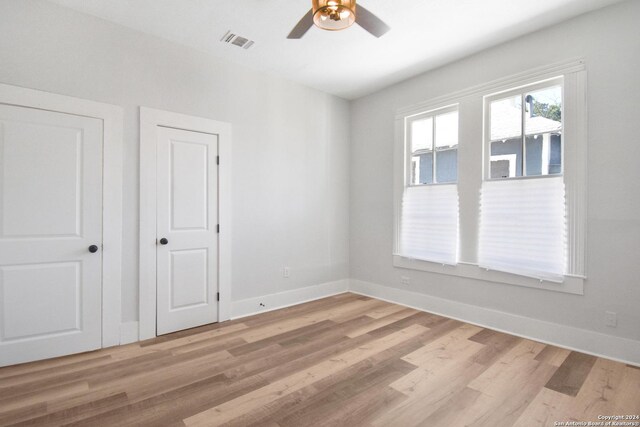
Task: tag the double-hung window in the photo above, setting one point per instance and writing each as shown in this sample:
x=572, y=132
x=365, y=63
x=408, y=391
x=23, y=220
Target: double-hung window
x=522, y=204
x=429, y=222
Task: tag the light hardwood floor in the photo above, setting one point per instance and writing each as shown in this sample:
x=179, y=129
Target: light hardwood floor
x=343, y=360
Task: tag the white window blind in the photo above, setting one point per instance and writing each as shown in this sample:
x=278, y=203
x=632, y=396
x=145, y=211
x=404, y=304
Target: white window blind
x=429, y=223
x=523, y=227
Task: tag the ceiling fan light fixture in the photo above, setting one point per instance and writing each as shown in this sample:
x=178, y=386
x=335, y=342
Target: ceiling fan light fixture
x=334, y=15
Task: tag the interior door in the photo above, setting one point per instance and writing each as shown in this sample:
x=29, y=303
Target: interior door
x=187, y=220
x=50, y=234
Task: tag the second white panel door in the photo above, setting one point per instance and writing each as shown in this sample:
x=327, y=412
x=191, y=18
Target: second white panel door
x=187, y=221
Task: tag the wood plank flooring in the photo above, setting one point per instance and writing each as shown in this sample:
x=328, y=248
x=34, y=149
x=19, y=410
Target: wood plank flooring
x=345, y=360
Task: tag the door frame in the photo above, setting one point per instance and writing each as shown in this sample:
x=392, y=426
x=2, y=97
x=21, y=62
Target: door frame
x=150, y=120
x=112, y=119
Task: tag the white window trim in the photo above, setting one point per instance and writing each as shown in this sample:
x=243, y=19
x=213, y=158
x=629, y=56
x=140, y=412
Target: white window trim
x=575, y=125
x=112, y=119
x=150, y=120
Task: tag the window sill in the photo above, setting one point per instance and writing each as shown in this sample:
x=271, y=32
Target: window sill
x=571, y=285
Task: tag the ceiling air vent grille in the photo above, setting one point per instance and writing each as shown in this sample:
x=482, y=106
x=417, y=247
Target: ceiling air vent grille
x=237, y=40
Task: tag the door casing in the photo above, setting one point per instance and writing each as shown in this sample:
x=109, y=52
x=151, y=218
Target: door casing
x=112, y=119
x=150, y=120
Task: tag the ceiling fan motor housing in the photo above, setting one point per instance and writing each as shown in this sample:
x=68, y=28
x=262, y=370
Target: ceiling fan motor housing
x=334, y=15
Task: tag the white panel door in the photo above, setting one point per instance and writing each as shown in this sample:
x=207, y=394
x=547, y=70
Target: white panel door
x=50, y=214
x=187, y=219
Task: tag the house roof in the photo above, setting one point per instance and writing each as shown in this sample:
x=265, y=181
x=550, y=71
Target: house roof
x=506, y=122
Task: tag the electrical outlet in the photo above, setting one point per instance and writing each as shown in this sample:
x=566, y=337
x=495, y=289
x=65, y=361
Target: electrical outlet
x=611, y=319
x=405, y=280
x=286, y=273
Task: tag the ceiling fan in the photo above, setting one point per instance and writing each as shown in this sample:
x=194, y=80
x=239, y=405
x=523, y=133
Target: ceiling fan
x=335, y=15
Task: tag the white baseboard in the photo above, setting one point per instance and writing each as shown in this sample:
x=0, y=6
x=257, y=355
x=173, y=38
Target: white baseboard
x=597, y=344
x=250, y=306
x=129, y=332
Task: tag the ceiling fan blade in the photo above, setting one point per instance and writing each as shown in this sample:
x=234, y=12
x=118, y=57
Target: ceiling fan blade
x=371, y=22
x=302, y=26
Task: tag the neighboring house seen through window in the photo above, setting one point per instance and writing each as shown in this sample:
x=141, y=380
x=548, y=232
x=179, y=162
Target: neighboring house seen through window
x=434, y=133
x=537, y=115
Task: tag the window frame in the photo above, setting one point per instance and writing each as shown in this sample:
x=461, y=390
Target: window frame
x=471, y=173
x=509, y=93
x=409, y=140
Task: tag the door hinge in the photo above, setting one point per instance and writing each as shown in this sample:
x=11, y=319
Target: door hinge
x=218, y=296
x=217, y=160
x=218, y=228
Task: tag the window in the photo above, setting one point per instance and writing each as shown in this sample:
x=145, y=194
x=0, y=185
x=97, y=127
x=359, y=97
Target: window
x=434, y=147
x=429, y=211
x=516, y=206
x=522, y=212
x=525, y=131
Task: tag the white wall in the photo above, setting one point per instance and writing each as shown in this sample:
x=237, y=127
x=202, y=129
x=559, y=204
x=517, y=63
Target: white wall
x=290, y=143
x=609, y=40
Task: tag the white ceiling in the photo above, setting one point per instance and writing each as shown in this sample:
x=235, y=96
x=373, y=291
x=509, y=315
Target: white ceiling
x=424, y=34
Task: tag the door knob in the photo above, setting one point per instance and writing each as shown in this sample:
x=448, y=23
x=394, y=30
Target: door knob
x=93, y=249
x=163, y=241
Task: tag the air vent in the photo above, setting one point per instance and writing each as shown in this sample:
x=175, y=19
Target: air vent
x=237, y=40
